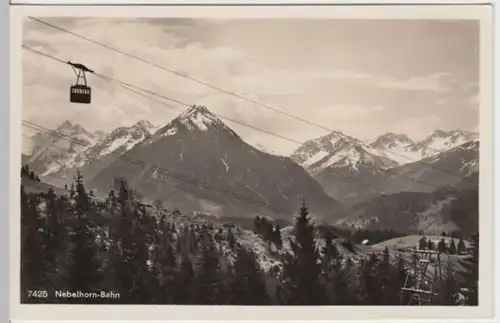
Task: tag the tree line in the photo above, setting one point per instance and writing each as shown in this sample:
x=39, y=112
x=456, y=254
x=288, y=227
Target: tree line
x=443, y=246
x=78, y=243
x=26, y=172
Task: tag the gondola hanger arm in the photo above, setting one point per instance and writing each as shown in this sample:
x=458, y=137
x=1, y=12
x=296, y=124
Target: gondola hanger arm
x=80, y=67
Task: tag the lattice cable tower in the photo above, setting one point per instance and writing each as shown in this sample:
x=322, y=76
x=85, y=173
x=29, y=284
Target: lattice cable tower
x=420, y=280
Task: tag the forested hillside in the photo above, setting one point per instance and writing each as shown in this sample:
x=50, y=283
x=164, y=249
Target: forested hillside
x=151, y=256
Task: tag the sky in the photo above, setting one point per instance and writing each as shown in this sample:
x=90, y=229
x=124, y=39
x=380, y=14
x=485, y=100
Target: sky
x=361, y=77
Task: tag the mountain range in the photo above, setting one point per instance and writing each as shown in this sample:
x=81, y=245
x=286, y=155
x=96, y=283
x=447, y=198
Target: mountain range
x=197, y=163
x=354, y=171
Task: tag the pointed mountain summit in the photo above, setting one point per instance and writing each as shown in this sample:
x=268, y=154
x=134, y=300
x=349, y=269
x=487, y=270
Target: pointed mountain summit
x=92, y=158
x=194, y=120
x=51, y=149
x=198, y=117
x=197, y=163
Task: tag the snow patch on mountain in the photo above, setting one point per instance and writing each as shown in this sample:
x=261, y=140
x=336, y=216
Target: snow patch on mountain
x=198, y=117
x=404, y=150
x=119, y=140
x=337, y=150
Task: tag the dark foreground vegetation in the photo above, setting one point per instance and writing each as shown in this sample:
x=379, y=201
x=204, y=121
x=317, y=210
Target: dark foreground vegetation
x=136, y=255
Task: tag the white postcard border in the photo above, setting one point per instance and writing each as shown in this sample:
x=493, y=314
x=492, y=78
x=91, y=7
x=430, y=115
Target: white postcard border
x=232, y=313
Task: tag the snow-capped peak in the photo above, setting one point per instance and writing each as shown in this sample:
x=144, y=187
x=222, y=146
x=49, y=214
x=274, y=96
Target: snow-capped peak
x=198, y=117
x=145, y=124
x=390, y=140
x=338, y=150
x=69, y=128
x=442, y=140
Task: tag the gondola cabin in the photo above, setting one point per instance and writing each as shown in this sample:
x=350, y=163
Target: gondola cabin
x=80, y=94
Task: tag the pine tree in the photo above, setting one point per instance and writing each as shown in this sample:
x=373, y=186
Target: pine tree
x=461, y=246
x=471, y=273
x=186, y=291
x=257, y=225
x=343, y=293
x=302, y=270
x=167, y=264
x=84, y=272
x=422, y=243
x=371, y=286
x=55, y=234
x=398, y=278
x=430, y=244
x=385, y=276
x=209, y=282
x=25, y=171
x=34, y=264
x=231, y=240
x=442, y=246
x=278, y=242
x=452, y=249
x=248, y=286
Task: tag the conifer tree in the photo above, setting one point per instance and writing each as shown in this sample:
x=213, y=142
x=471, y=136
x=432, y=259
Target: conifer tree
x=34, y=264
x=442, y=246
x=84, y=272
x=461, y=246
x=25, y=171
x=209, y=281
x=471, y=273
x=398, y=278
x=54, y=234
x=248, y=286
x=167, y=271
x=343, y=293
x=302, y=270
x=231, y=240
x=186, y=291
x=277, y=239
x=257, y=225
x=430, y=244
x=452, y=249
x=422, y=243
x=385, y=271
x=371, y=286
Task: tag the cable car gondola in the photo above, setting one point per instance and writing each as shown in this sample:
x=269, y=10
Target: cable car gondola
x=80, y=92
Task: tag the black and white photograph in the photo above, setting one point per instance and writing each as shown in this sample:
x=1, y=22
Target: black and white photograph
x=250, y=162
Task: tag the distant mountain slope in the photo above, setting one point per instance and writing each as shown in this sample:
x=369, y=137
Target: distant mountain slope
x=343, y=165
x=403, y=150
x=403, y=212
x=444, y=169
x=197, y=145
x=51, y=150
x=446, y=209
x=102, y=153
x=354, y=171
x=465, y=208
